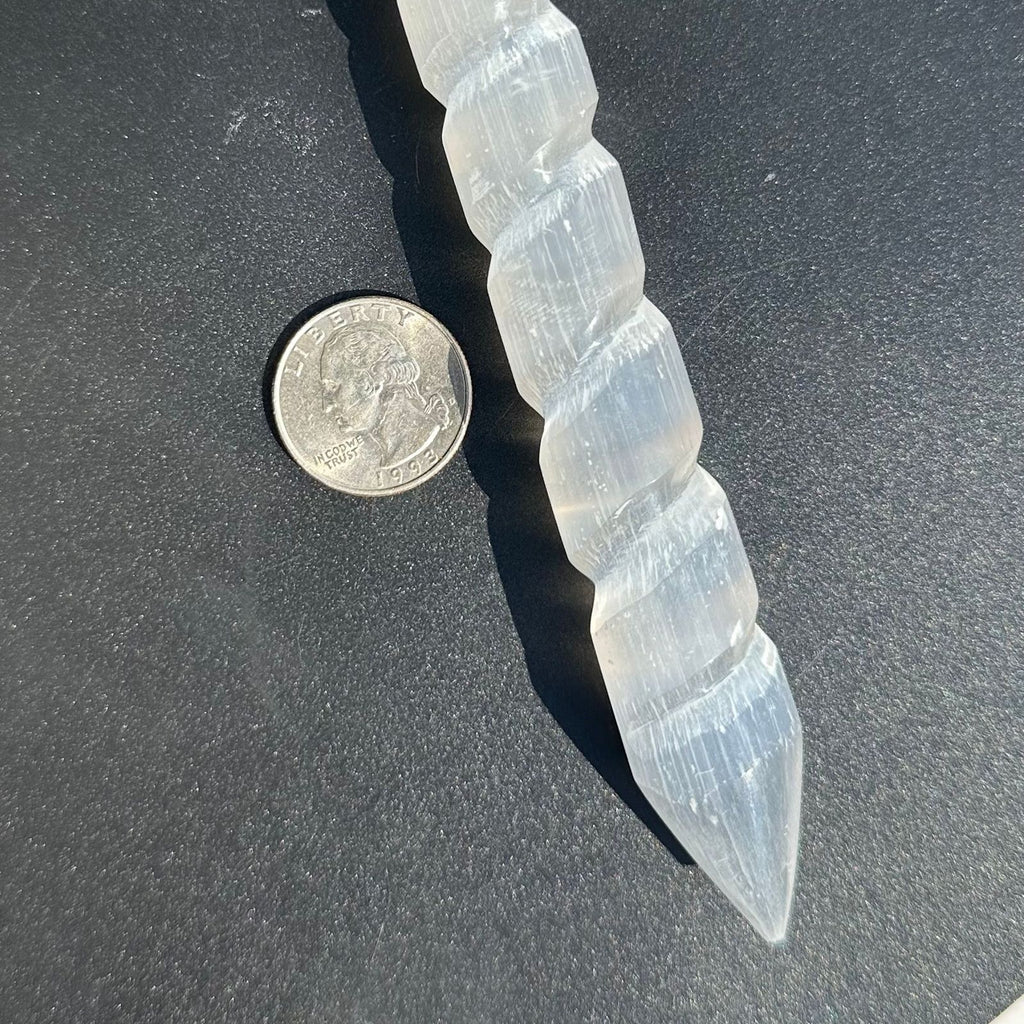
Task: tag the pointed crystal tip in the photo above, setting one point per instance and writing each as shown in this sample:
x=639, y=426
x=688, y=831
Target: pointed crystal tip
x=768, y=901
x=724, y=772
x=744, y=835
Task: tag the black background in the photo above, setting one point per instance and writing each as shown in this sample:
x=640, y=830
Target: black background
x=270, y=753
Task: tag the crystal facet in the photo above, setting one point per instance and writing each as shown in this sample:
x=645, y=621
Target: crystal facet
x=699, y=694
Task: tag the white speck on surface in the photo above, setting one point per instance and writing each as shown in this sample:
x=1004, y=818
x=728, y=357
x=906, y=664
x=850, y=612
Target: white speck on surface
x=237, y=119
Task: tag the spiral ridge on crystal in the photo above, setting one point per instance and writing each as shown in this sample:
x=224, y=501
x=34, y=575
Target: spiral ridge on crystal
x=699, y=693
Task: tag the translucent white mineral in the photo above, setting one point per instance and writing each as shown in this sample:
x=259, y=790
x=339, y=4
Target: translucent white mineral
x=699, y=693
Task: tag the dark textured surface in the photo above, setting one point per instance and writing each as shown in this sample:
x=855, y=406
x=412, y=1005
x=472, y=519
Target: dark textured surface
x=271, y=754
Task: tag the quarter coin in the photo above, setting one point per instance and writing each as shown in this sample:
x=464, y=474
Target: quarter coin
x=372, y=396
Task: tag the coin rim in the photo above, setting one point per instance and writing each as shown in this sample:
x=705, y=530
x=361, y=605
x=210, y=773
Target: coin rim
x=292, y=449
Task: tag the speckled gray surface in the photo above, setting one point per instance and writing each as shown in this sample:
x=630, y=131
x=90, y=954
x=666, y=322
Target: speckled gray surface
x=272, y=754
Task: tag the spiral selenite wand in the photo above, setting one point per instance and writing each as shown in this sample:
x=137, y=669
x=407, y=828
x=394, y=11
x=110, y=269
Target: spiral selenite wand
x=699, y=694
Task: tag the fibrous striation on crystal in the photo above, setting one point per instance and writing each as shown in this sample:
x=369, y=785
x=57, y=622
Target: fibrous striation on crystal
x=699, y=694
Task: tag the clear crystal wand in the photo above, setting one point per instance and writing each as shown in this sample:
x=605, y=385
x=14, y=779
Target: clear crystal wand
x=699, y=693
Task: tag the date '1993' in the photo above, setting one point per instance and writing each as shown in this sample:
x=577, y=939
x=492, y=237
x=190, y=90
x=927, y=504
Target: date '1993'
x=409, y=470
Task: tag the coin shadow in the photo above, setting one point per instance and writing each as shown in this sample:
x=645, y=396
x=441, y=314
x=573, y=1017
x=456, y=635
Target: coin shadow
x=549, y=600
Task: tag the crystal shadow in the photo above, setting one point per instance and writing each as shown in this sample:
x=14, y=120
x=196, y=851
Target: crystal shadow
x=549, y=600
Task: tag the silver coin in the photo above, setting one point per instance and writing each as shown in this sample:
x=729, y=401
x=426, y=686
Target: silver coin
x=372, y=396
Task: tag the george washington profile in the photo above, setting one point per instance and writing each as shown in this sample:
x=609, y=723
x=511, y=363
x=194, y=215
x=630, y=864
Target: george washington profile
x=371, y=388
